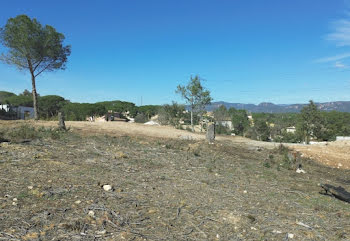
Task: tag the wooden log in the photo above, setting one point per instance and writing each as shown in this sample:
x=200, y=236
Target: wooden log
x=337, y=192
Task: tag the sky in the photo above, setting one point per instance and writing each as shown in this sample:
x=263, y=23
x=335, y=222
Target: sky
x=246, y=51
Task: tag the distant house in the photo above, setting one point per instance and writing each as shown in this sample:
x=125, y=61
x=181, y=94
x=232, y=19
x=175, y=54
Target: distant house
x=342, y=138
x=5, y=107
x=291, y=129
x=114, y=116
x=23, y=112
x=19, y=112
x=226, y=123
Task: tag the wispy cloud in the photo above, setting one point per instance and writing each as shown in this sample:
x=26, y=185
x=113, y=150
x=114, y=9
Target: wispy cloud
x=340, y=36
x=341, y=32
x=340, y=65
x=333, y=58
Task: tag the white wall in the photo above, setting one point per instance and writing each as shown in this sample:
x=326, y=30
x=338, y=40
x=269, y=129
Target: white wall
x=21, y=112
x=5, y=107
x=343, y=138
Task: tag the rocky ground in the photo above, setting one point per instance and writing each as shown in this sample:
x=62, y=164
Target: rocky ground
x=77, y=186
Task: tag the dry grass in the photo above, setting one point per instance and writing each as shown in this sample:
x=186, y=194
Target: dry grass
x=334, y=154
x=163, y=189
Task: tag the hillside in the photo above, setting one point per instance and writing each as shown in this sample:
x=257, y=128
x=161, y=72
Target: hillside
x=343, y=106
x=55, y=188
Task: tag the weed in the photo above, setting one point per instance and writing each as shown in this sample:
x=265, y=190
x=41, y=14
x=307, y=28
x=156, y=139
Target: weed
x=267, y=165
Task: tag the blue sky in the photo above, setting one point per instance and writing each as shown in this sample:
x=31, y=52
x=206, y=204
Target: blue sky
x=248, y=51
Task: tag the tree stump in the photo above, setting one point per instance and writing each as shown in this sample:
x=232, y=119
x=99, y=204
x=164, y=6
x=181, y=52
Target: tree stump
x=211, y=133
x=61, y=124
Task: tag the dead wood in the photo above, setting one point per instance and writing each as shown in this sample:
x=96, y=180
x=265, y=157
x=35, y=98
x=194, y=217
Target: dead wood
x=337, y=192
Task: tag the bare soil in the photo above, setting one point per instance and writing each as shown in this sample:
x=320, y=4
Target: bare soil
x=334, y=154
x=174, y=188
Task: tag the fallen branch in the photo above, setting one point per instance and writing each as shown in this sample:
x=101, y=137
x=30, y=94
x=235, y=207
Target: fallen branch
x=337, y=192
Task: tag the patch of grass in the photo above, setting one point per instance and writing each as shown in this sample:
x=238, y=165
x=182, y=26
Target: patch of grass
x=267, y=165
x=22, y=132
x=27, y=132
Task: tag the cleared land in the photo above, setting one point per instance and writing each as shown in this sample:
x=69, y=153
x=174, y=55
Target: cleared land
x=163, y=188
x=334, y=154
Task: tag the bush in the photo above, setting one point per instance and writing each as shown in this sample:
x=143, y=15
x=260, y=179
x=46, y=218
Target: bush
x=222, y=130
x=26, y=132
x=171, y=114
x=288, y=138
x=141, y=118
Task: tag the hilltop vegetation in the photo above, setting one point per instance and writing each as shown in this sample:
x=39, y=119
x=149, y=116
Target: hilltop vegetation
x=263, y=126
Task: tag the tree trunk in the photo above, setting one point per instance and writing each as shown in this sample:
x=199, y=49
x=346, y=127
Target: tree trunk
x=192, y=119
x=35, y=98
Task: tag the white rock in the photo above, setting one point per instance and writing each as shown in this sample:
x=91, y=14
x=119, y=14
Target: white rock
x=152, y=123
x=14, y=203
x=101, y=232
x=276, y=231
x=253, y=228
x=15, y=200
x=30, y=187
x=91, y=213
x=245, y=191
x=290, y=235
x=107, y=187
x=77, y=202
x=299, y=170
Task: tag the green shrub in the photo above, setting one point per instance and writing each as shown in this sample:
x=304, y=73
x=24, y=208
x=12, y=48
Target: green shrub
x=222, y=130
x=26, y=132
x=141, y=118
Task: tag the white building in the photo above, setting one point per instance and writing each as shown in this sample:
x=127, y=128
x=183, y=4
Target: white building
x=343, y=138
x=291, y=129
x=226, y=123
x=21, y=112
x=5, y=108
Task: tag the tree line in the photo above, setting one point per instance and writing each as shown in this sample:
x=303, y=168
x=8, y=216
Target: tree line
x=50, y=105
x=310, y=124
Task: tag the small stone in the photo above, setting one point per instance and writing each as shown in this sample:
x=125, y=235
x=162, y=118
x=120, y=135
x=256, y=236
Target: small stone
x=276, y=231
x=152, y=211
x=107, y=187
x=290, y=235
x=77, y=202
x=15, y=199
x=245, y=191
x=30, y=187
x=91, y=213
x=299, y=170
x=253, y=228
x=101, y=232
x=14, y=203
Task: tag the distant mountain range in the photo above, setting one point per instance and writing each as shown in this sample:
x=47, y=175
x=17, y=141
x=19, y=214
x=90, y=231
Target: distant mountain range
x=343, y=106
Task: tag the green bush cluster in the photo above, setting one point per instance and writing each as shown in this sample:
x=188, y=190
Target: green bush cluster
x=27, y=132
